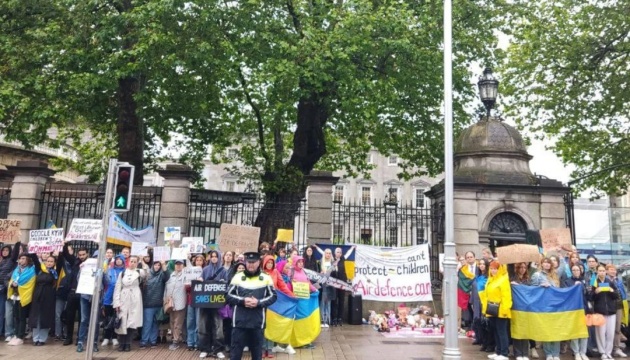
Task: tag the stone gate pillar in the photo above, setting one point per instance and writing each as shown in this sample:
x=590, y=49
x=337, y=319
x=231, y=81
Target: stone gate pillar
x=320, y=191
x=29, y=180
x=175, y=198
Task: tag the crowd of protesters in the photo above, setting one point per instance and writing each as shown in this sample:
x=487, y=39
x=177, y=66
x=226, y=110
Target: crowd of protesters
x=484, y=282
x=150, y=302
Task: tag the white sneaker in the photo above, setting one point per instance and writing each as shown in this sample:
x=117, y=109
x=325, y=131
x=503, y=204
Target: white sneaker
x=501, y=357
x=326, y=325
x=578, y=357
x=290, y=350
x=16, y=341
x=492, y=356
x=28, y=335
x=584, y=357
x=105, y=343
x=203, y=355
x=556, y=358
x=323, y=325
x=549, y=357
x=619, y=353
x=115, y=342
x=220, y=355
x=519, y=358
x=534, y=354
x=9, y=338
x=525, y=358
x=246, y=348
x=277, y=349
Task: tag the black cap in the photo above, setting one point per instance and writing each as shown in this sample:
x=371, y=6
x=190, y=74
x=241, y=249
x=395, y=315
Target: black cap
x=179, y=261
x=252, y=256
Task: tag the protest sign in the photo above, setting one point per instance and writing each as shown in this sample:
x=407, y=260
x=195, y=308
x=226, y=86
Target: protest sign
x=119, y=233
x=285, y=235
x=208, y=294
x=10, y=231
x=161, y=253
x=301, y=290
x=172, y=233
x=87, y=277
x=85, y=230
x=139, y=249
x=179, y=254
x=551, y=239
x=193, y=244
x=518, y=253
x=238, y=237
x=46, y=240
x=324, y=279
x=393, y=274
x=192, y=273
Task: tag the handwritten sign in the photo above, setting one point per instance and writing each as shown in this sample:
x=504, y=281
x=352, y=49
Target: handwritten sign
x=208, y=294
x=179, y=254
x=87, y=277
x=193, y=244
x=139, y=248
x=192, y=273
x=553, y=238
x=161, y=253
x=172, y=233
x=10, y=230
x=238, y=237
x=301, y=290
x=85, y=229
x=518, y=253
x=46, y=240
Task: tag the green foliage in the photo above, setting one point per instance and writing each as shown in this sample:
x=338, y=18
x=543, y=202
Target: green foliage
x=567, y=81
x=291, y=84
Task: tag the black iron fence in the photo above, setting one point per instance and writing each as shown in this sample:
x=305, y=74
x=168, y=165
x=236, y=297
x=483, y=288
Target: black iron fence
x=389, y=224
x=5, y=193
x=63, y=202
x=208, y=209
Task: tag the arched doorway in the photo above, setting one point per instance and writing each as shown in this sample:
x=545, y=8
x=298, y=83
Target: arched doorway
x=506, y=228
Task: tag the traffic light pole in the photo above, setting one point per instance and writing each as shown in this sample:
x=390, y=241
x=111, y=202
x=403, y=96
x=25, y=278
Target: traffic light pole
x=107, y=206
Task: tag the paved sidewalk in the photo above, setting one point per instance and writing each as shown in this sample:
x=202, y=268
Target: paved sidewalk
x=347, y=342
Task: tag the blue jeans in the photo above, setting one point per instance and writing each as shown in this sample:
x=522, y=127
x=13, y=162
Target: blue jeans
x=40, y=334
x=149, y=326
x=86, y=306
x=551, y=348
x=192, y=314
x=3, y=300
x=501, y=335
x=324, y=307
x=9, y=324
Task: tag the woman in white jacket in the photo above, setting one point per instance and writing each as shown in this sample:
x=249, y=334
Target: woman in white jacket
x=128, y=302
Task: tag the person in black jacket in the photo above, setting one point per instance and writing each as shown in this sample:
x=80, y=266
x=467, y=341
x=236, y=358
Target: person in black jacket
x=8, y=262
x=250, y=292
x=42, y=315
x=604, y=294
x=339, y=272
x=73, y=303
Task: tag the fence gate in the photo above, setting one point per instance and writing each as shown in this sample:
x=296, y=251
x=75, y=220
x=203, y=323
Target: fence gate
x=63, y=202
x=208, y=209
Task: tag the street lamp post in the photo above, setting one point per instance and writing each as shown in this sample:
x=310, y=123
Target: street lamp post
x=451, y=349
x=488, y=90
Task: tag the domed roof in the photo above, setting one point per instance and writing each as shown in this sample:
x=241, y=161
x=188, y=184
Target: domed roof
x=490, y=136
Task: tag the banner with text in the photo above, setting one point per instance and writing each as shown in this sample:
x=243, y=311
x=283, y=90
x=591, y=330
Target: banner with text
x=10, y=230
x=85, y=230
x=119, y=233
x=392, y=274
x=209, y=294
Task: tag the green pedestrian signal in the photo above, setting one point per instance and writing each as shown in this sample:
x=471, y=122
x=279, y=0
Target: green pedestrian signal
x=123, y=187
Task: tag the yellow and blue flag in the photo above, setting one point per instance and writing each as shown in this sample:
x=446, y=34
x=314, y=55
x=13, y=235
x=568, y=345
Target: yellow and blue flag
x=548, y=314
x=293, y=321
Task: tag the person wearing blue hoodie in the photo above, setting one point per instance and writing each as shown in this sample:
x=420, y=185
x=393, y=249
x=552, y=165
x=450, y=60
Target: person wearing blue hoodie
x=109, y=284
x=210, y=338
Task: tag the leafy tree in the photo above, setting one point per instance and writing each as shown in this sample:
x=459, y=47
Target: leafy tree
x=294, y=85
x=567, y=80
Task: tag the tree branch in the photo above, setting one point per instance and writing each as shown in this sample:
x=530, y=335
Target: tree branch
x=257, y=113
x=294, y=16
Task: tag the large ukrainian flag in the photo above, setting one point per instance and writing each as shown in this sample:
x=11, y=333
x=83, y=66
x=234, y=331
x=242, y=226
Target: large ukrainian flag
x=293, y=321
x=547, y=314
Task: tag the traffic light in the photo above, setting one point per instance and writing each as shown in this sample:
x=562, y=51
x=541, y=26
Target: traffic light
x=123, y=187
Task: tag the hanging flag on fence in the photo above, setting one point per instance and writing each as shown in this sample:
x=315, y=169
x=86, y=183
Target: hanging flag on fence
x=548, y=314
x=120, y=233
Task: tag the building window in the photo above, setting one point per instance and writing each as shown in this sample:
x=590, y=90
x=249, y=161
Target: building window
x=392, y=160
x=229, y=185
x=393, y=195
x=366, y=236
x=232, y=153
x=393, y=236
x=338, y=233
x=420, y=200
x=369, y=159
x=338, y=195
x=366, y=196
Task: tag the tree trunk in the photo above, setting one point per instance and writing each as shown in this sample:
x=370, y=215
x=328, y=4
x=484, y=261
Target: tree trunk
x=278, y=212
x=130, y=127
x=282, y=204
